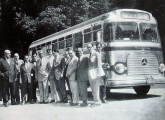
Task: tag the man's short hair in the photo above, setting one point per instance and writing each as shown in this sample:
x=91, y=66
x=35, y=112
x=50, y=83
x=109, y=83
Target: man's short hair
x=55, y=50
x=98, y=43
x=7, y=51
x=16, y=55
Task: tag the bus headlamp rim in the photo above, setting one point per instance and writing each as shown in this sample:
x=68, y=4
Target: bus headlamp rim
x=120, y=68
x=162, y=67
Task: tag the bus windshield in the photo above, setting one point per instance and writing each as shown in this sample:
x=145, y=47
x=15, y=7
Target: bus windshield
x=149, y=32
x=126, y=31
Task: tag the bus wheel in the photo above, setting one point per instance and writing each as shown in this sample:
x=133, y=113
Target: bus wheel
x=108, y=91
x=142, y=90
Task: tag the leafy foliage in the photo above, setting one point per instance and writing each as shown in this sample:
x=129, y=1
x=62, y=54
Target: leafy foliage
x=50, y=21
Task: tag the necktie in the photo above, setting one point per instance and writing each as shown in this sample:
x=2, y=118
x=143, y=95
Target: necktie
x=78, y=63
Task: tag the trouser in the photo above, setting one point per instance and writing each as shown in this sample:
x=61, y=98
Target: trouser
x=103, y=89
x=27, y=90
x=5, y=90
x=34, y=87
x=12, y=91
x=74, y=90
x=54, y=94
x=61, y=89
x=1, y=89
x=16, y=91
x=30, y=91
x=95, y=86
x=43, y=88
x=82, y=85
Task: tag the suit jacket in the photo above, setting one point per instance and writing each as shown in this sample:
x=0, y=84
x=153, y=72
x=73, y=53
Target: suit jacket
x=17, y=68
x=42, y=69
x=58, y=67
x=94, y=61
x=71, y=70
x=7, y=72
x=82, y=69
x=26, y=73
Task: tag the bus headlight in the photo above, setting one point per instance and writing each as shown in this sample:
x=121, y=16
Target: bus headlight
x=120, y=68
x=162, y=67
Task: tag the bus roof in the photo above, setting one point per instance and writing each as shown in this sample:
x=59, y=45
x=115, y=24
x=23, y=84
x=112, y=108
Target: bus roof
x=79, y=27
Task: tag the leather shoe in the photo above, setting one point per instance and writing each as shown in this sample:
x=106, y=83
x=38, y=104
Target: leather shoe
x=6, y=104
x=52, y=101
x=13, y=103
x=83, y=104
x=104, y=101
x=73, y=104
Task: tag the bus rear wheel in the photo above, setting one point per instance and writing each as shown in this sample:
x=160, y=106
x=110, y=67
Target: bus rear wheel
x=141, y=90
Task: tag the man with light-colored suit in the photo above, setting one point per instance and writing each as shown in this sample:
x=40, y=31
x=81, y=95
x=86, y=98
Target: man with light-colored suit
x=71, y=74
x=42, y=72
x=95, y=67
x=7, y=75
x=82, y=75
x=25, y=80
x=17, y=63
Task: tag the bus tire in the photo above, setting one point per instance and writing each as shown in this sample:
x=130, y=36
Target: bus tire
x=108, y=91
x=141, y=90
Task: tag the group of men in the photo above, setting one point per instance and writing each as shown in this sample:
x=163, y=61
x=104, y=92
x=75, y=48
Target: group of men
x=73, y=68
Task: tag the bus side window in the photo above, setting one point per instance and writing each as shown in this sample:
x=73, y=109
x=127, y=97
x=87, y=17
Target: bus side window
x=69, y=41
x=78, y=40
x=54, y=45
x=97, y=33
x=61, y=43
x=108, y=33
x=87, y=35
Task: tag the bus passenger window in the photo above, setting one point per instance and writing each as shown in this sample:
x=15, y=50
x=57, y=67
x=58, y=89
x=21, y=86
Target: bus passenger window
x=97, y=36
x=61, y=45
x=87, y=35
x=78, y=40
x=108, y=33
x=55, y=46
x=69, y=42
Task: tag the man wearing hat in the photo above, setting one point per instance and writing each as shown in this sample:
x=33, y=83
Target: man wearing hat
x=7, y=75
x=42, y=72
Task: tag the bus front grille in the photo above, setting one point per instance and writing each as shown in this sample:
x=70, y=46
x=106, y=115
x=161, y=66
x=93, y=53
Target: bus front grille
x=142, y=64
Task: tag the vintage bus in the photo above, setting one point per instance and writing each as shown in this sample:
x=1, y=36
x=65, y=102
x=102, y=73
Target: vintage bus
x=131, y=45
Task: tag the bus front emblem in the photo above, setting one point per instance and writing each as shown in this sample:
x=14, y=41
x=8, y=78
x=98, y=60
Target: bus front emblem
x=144, y=62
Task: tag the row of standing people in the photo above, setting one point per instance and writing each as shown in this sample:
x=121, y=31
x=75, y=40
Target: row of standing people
x=56, y=70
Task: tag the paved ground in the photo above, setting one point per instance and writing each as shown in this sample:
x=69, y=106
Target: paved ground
x=124, y=104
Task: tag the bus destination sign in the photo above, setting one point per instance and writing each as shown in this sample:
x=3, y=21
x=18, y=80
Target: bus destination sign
x=134, y=15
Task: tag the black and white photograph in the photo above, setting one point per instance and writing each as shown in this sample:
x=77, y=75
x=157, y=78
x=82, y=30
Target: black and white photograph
x=82, y=60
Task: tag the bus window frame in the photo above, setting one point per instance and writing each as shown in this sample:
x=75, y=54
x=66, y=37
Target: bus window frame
x=86, y=33
x=60, y=40
x=55, y=42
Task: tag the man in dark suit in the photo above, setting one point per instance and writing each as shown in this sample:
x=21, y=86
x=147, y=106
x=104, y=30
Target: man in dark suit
x=26, y=87
x=34, y=81
x=82, y=76
x=8, y=77
x=58, y=66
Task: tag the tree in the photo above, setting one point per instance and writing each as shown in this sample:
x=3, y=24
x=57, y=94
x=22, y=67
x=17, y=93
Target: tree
x=50, y=21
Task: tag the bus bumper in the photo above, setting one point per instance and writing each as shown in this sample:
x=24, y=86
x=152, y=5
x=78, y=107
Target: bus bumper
x=134, y=82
